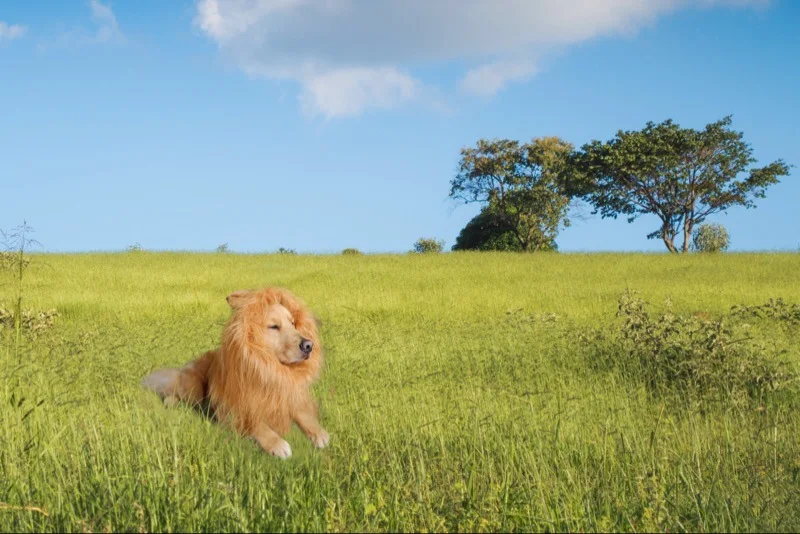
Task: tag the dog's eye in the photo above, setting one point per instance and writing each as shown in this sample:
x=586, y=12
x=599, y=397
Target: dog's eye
x=275, y=327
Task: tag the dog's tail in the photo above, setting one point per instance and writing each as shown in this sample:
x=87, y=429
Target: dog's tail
x=188, y=384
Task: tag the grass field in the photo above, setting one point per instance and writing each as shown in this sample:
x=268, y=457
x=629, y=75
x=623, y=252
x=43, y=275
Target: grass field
x=461, y=392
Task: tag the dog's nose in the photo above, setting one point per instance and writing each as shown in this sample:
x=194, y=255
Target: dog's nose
x=306, y=345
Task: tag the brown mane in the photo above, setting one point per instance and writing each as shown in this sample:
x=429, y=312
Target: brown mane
x=248, y=382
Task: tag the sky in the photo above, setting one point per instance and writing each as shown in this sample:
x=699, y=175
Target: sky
x=318, y=125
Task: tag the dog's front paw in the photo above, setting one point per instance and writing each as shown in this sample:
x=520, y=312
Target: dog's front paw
x=281, y=449
x=321, y=439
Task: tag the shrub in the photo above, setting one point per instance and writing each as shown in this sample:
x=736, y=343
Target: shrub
x=775, y=309
x=286, y=251
x=223, y=248
x=33, y=323
x=426, y=245
x=704, y=359
x=10, y=260
x=487, y=231
x=136, y=247
x=351, y=252
x=710, y=237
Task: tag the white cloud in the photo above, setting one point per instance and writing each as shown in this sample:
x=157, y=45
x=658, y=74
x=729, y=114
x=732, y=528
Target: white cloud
x=347, y=91
x=352, y=55
x=490, y=78
x=106, y=30
x=11, y=31
x=107, y=26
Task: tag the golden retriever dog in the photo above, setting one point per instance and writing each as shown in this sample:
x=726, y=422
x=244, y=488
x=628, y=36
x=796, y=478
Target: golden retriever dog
x=258, y=380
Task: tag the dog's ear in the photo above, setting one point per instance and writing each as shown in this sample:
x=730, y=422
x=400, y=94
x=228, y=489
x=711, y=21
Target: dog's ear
x=238, y=298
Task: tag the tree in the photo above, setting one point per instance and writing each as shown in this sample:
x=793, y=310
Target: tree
x=520, y=184
x=486, y=231
x=680, y=175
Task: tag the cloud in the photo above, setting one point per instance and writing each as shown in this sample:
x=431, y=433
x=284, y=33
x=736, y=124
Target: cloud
x=107, y=26
x=9, y=32
x=490, y=78
x=347, y=91
x=106, y=30
x=352, y=55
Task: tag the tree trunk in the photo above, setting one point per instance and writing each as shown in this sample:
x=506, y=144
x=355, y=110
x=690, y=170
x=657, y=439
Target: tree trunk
x=669, y=240
x=687, y=233
x=526, y=240
x=525, y=243
x=668, y=236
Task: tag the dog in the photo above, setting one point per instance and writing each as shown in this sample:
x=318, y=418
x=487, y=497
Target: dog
x=258, y=380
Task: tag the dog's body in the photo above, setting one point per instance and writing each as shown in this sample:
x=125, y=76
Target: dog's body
x=258, y=379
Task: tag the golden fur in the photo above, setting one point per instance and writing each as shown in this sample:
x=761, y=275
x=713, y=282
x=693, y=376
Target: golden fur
x=258, y=379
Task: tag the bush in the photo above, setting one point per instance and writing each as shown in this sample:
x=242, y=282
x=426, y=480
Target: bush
x=351, y=252
x=286, y=251
x=136, y=247
x=428, y=245
x=223, y=248
x=699, y=358
x=486, y=231
x=775, y=310
x=10, y=260
x=33, y=323
x=710, y=237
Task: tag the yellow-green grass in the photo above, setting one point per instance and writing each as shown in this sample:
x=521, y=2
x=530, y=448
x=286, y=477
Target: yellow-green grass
x=458, y=392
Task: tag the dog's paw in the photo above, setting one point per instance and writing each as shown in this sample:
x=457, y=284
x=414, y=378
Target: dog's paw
x=281, y=449
x=321, y=439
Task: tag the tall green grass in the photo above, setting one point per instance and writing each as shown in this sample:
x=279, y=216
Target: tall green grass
x=459, y=391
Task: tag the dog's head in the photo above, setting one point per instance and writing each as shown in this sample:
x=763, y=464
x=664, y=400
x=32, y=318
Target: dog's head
x=279, y=324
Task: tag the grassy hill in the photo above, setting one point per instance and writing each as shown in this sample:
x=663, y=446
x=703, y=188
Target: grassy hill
x=468, y=391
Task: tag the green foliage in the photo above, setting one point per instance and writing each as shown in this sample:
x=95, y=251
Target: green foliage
x=351, y=252
x=703, y=359
x=14, y=259
x=428, y=245
x=223, y=249
x=680, y=175
x=521, y=185
x=289, y=251
x=32, y=323
x=136, y=247
x=775, y=310
x=710, y=237
x=11, y=260
x=486, y=231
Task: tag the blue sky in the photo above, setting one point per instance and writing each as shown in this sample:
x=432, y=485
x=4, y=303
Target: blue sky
x=324, y=124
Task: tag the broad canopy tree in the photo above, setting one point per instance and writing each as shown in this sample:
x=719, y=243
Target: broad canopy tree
x=680, y=175
x=521, y=188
